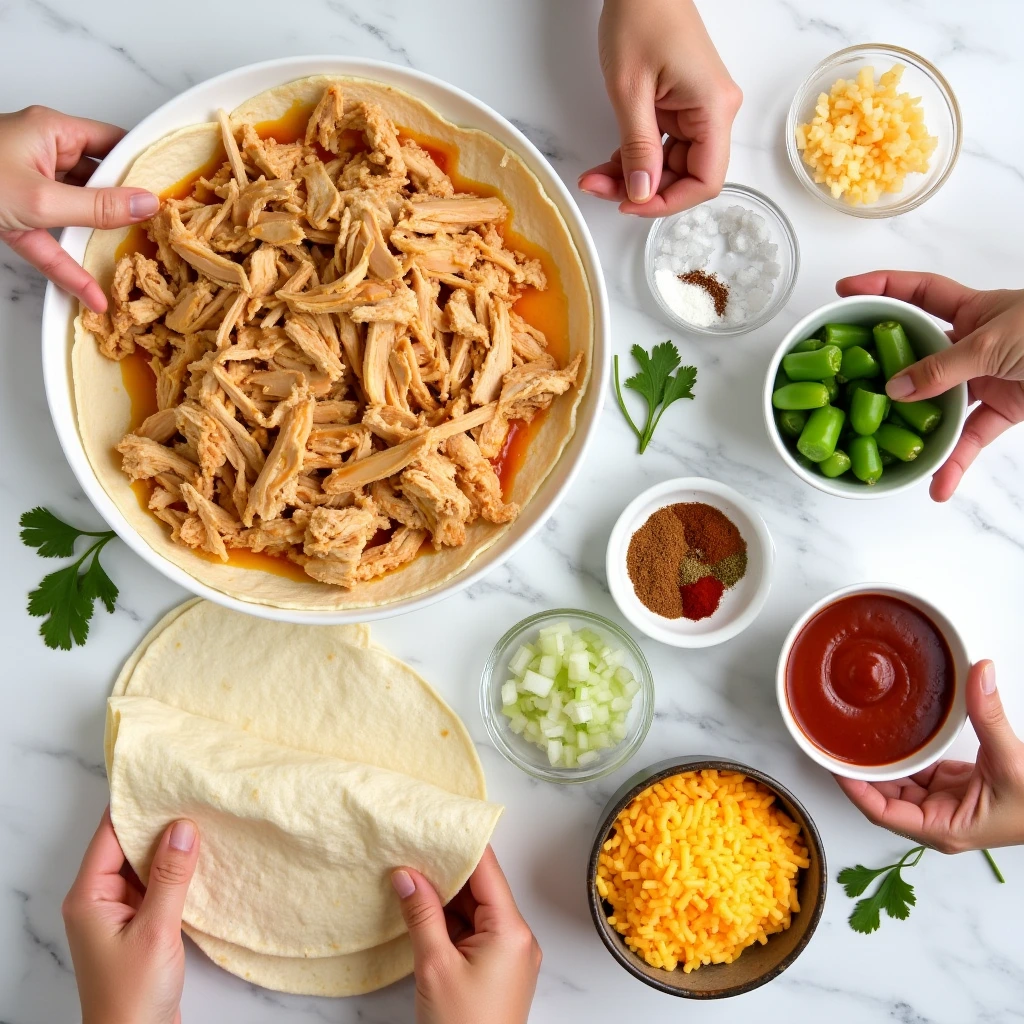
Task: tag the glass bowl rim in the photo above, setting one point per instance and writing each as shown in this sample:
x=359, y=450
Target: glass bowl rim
x=568, y=776
x=777, y=304
x=913, y=201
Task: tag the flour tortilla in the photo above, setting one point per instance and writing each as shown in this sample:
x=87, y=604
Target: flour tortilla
x=307, y=687
x=298, y=848
x=103, y=407
x=246, y=654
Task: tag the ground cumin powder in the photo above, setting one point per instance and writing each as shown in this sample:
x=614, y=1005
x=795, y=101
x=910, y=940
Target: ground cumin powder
x=652, y=561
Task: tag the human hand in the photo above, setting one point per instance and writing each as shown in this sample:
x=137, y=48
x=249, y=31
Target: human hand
x=988, y=328
x=954, y=805
x=126, y=947
x=38, y=146
x=476, y=958
x=664, y=77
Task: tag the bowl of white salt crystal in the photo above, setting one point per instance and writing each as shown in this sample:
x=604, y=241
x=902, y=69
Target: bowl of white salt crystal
x=725, y=267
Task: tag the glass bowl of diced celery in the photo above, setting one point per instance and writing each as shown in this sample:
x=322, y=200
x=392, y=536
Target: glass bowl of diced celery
x=567, y=696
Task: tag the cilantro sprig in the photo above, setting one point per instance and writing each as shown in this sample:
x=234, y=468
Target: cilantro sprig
x=894, y=894
x=658, y=385
x=64, y=599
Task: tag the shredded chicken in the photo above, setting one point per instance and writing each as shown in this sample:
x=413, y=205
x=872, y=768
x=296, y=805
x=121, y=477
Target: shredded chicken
x=336, y=350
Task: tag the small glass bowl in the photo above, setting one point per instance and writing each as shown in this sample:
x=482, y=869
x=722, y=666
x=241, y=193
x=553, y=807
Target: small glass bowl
x=941, y=117
x=533, y=759
x=781, y=233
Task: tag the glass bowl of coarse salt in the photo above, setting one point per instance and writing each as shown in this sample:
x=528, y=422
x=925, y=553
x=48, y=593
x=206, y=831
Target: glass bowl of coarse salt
x=725, y=267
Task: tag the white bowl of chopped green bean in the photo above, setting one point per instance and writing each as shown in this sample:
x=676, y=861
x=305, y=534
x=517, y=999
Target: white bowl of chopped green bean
x=567, y=696
x=837, y=430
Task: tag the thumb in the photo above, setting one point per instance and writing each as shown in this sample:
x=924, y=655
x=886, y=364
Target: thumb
x=170, y=874
x=937, y=373
x=423, y=915
x=60, y=205
x=995, y=735
x=640, y=145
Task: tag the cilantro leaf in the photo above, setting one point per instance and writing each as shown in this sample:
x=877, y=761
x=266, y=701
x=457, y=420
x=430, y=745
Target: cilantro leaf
x=60, y=599
x=865, y=917
x=65, y=599
x=896, y=896
x=95, y=583
x=656, y=383
x=856, y=879
x=53, y=538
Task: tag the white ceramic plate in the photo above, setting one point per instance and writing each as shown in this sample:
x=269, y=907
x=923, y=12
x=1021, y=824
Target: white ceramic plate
x=937, y=745
x=739, y=606
x=228, y=90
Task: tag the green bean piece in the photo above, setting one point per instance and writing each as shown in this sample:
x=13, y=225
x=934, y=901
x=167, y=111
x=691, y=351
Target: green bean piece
x=791, y=422
x=800, y=395
x=893, y=416
x=894, y=351
x=867, y=410
x=808, y=345
x=833, y=389
x=865, y=460
x=845, y=335
x=817, y=365
x=819, y=438
x=922, y=416
x=835, y=465
x=904, y=444
x=858, y=364
x=887, y=459
x=781, y=379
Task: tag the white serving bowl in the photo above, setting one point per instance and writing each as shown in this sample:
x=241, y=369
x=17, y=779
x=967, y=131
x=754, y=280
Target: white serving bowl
x=937, y=745
x=198, y=104
x=927, y=337
x=740, y=605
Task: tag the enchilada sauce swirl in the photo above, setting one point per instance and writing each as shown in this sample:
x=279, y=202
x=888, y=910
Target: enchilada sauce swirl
x=870, y=679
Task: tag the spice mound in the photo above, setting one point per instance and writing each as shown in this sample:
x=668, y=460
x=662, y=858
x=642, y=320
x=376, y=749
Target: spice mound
x=684, y=558
x=699, y=867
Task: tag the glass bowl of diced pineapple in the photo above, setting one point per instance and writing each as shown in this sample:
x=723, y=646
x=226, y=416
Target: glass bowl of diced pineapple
x=567, y=695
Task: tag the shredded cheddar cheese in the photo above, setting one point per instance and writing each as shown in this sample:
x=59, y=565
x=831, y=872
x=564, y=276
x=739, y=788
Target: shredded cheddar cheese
x=698, y=867
x=865, y=138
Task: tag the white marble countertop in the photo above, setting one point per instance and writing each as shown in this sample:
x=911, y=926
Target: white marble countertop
x=958, y=958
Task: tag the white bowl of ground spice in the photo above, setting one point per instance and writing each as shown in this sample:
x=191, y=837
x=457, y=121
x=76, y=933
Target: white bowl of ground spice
x=690, y=562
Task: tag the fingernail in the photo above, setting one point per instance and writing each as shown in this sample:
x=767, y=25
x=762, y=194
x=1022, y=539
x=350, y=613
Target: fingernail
x=988, y=679
x=143, y=204
x=403, y=883
x=639, y=186
x=899, y=387
x=589, y=191
x=183, y=835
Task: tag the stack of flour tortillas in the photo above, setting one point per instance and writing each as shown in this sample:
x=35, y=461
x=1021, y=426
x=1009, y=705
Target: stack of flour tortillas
x=314, y=764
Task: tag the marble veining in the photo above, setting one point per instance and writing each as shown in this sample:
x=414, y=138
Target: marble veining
x=957, y=960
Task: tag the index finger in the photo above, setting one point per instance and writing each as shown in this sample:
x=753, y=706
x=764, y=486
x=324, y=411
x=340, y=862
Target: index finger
x=92, y=138
x=706, y=163
x=490, y=889
x=890, y=812
x=935, y=294
x=103, y=858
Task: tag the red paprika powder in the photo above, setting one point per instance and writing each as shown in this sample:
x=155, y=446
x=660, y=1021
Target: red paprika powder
x=701, y=599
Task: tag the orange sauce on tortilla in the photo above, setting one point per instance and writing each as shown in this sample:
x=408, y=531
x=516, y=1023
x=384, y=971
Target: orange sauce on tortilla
x=546, y=310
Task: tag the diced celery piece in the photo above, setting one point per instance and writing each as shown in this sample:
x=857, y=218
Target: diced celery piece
x=593, y=679
x=509, y=693
x=552, y=729
x=541, y=703
x=601, y=741
x=548, y=644
x=582, y=739
x=554, y=751
x=521, y=660
x=587, y=757
x=549, y=665
x=601, y=714
x=579, y=667
x=620, y=704
x=618, y=730
x=582, y=692
x=623, y=676
x=534, y=662
x=583, y=711
x=568, y=756
x=632, y=688
x=534, y=682
x=578, y=646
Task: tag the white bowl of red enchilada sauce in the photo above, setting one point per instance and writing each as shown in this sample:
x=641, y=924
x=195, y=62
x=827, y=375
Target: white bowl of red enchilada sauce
x=871, y=682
